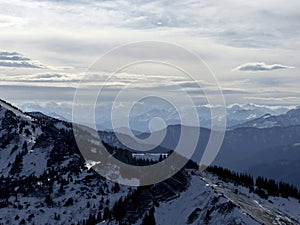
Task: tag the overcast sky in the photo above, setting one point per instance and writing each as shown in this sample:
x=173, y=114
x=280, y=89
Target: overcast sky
x=252, y=47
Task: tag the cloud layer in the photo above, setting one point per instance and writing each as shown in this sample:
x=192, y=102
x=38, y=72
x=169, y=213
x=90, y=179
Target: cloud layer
x=71, y=35
x=16, y=60
x=261, y=66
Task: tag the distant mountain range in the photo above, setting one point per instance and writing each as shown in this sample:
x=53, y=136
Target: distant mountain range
x=290, y=118
x=236, y=114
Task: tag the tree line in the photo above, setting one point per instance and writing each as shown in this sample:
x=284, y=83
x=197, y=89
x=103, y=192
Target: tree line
x=262, y=186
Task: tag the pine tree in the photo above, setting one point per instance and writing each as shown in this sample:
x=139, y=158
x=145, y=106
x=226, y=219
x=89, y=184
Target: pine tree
x=106, y=213
x=116, y=188
x=48, y=200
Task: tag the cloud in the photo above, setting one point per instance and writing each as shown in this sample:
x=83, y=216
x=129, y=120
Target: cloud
x=7, y=21
x=248, y=24
x=48, y=77
x=19, y=93
x=12, y=56
x=16, y=60
x=261, y=66
x=273, y=29
x=21, y=65
x=288, y=98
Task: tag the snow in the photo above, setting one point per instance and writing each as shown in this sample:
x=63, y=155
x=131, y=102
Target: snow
x=81, y=194
x=275, y=210
x=6, y=159
x=205, y=201
x=36, y=162
x=61, y=126
x=15, y=111
x=251, y=116
x=198, y=195
x=2, y=112
x=150, y=156
x=266, y=116
x=89, y=163
x=266, y=124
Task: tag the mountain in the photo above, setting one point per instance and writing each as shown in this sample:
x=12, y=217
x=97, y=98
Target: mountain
x=113, y=139
x=58, y=111
x=272, y=152
x=45, y=180
x=244, y=112
x=139, y=118
x=291, y=118
x=236, y=114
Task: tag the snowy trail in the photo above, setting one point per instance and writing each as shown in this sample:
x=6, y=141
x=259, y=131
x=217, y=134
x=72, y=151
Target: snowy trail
x=253, y=208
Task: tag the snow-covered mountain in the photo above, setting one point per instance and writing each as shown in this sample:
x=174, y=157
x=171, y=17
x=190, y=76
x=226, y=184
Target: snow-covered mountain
x=45, y=180
x=139, y=119
x=290, y=118
x=236, y=114
x=240, y=113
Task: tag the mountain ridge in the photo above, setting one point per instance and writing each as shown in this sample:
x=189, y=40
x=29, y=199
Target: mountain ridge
x=290, y=118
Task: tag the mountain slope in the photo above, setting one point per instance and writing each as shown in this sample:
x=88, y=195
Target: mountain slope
x=45, y=180
x=200, y=204
x=272, y=152
x=273, y=210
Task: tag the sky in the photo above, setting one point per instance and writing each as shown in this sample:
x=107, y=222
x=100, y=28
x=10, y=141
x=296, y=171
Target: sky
x=48, y=47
